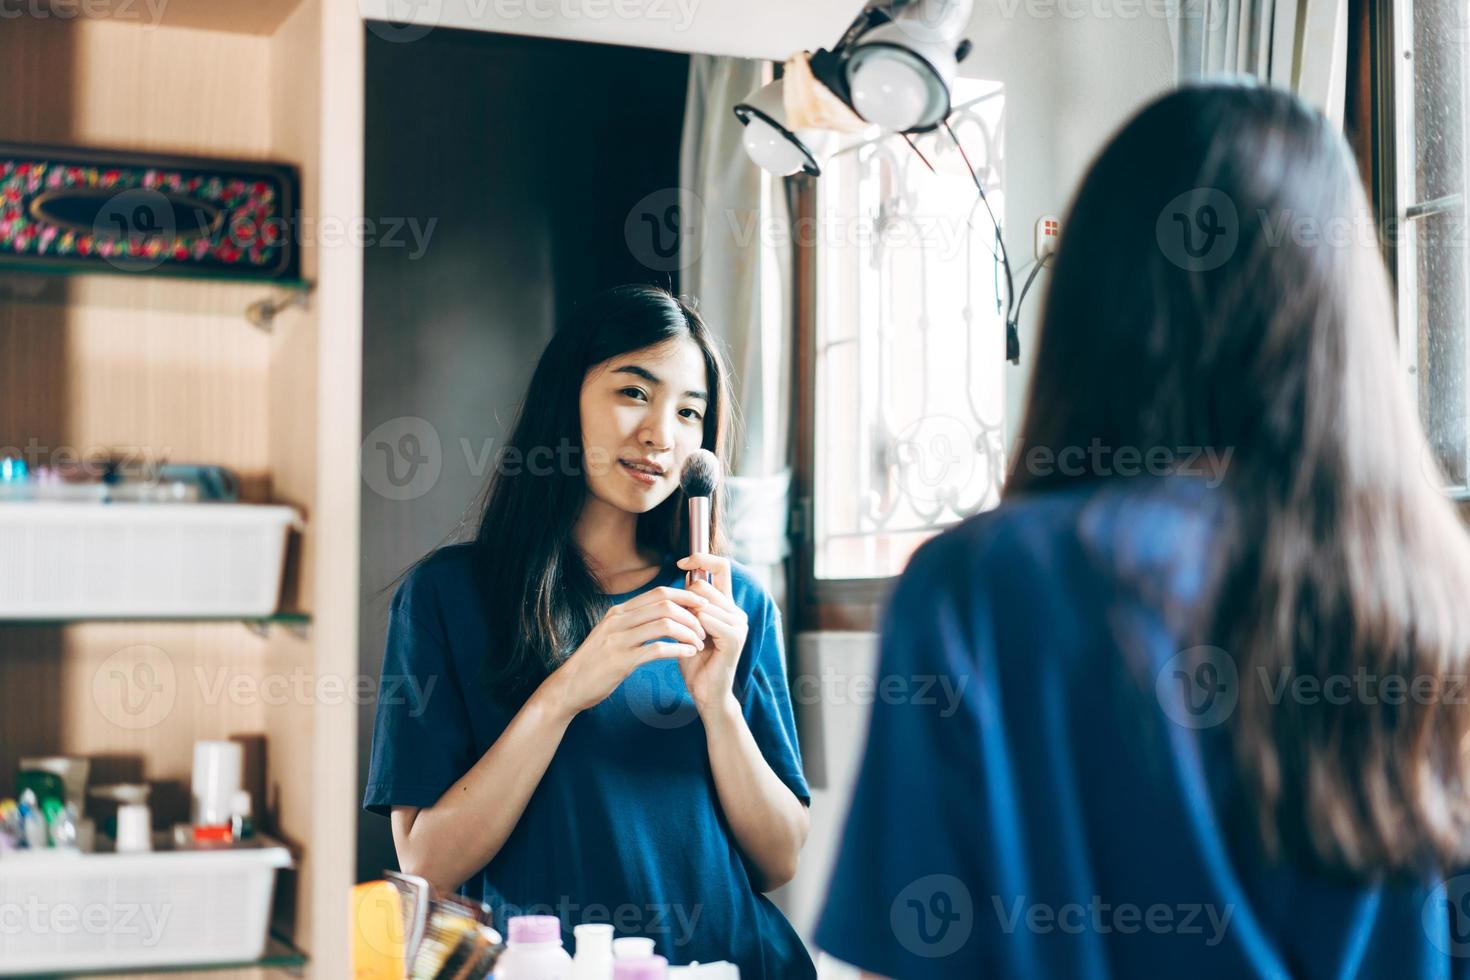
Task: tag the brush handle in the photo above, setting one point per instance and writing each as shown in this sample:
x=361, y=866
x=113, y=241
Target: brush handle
x=699, y=526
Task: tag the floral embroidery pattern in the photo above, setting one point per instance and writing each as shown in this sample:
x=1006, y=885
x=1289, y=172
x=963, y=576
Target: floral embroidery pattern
x=251, y=235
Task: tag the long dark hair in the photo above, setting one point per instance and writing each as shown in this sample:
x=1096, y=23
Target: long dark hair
x=541, y=598
x=1337, y=553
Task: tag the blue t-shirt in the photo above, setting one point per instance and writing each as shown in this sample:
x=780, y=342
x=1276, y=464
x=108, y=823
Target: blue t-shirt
x=626, y=825
x=1055, y=807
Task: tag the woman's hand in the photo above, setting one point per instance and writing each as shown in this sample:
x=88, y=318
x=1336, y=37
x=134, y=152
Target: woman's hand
x=767, y=820
x=619, y=644
x=710, y=676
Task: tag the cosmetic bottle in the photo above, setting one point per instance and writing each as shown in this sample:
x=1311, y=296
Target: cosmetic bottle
x=533, y=950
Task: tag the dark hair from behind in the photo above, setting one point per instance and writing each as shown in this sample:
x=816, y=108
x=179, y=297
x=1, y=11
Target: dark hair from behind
x=541, y=598
x=1337, y=554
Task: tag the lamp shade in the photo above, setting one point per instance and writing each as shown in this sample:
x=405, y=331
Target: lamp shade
x=768, y=140
x=899, y=82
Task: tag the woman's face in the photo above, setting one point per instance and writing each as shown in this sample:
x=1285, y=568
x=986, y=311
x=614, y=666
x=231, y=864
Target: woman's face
x=642, y=415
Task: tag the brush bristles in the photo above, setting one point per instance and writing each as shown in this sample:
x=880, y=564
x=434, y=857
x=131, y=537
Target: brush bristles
x=701, y=474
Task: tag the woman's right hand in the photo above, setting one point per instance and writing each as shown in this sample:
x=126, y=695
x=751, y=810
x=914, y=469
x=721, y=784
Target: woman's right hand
x=619, y=644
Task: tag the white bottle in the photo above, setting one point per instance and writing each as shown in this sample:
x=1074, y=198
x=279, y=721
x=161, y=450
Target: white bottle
x=533, y=950
x=594, y=959
x=630, y=947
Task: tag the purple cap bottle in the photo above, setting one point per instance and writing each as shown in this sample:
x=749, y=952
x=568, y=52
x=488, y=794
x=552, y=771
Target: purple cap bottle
x=643, y=968
x=526, y=929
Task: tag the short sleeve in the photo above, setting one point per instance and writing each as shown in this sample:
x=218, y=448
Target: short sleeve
x=906, y=892
x=765, y=695
x=422, y=739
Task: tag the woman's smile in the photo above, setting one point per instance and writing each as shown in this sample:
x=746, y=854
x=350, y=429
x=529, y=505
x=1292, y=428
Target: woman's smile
x=643, y=472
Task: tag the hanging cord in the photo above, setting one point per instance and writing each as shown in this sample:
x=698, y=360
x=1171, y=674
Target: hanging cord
x=1013, y=342
x=1012, y=305
x=1011, y=308
x=993, y=253
x=1026, y=286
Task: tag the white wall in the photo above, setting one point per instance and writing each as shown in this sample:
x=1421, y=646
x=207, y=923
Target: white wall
x=772, y=29
x=1074, y=70
x=836, y=667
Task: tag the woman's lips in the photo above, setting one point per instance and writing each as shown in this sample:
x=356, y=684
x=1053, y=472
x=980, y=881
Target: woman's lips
x=642, y=476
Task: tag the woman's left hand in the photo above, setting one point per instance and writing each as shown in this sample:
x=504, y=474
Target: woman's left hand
x=710, y=673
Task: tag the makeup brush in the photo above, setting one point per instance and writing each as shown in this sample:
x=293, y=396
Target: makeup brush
x=448, y=922
x=700, y=476
x=474, y=957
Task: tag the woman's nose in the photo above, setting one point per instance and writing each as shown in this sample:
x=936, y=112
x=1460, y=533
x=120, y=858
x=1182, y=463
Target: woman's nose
x=657, y=433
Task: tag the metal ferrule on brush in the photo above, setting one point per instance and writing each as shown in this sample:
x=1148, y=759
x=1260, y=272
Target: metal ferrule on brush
x=699, y=521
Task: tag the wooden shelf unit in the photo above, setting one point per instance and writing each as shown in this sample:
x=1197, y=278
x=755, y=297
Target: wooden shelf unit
x=176, y=371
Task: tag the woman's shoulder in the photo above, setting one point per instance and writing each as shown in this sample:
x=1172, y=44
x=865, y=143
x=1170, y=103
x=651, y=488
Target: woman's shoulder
x=1044, y=561
x=749, y=589
x=440, y=583
x=1121, y=525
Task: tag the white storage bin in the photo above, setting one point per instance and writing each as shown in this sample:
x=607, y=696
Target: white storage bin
x=74, y=560
x=123, y=911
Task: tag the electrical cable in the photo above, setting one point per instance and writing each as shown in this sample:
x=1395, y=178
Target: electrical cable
x=1026, y=286
x=1013, y=334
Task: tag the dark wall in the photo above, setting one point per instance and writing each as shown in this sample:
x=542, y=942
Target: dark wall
x=528, y=155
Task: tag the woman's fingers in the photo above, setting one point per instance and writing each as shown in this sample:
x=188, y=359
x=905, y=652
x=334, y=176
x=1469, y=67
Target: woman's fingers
x=663, y=609
x=663, y=651
x=669, y=627
x=717, y=620
x=663, y=593
x=716, y=565
x=715, y=599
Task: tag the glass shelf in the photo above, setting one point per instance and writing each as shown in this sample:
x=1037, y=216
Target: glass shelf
x=279, y=955
x=107, y=287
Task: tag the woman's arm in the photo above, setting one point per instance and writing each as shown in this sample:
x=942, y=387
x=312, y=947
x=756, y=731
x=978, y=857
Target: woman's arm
x=768, y=820
x=769, y=823
x=468, y=824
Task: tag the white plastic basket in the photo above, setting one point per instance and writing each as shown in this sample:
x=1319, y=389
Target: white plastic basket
x=73, y=560
x=113, y=911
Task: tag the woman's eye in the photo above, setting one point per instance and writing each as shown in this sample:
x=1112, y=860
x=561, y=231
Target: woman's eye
x=632, y=392
x=693, y=413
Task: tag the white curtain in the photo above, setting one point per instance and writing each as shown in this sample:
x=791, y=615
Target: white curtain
x=737, y=268
x=1300, y=45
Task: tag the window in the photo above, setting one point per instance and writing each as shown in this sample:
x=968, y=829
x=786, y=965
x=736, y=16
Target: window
x=905, y=344
x=1421, y=183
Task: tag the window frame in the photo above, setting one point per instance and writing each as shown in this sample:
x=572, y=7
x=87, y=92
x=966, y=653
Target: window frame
x=819, y=604
x=1390, y=63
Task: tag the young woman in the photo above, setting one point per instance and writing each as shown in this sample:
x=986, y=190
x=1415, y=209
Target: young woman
x=594, y=740
x=1213, y=719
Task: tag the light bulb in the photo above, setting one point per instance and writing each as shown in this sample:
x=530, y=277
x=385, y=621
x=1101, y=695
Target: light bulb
x=772, y=149
x=890, y=91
